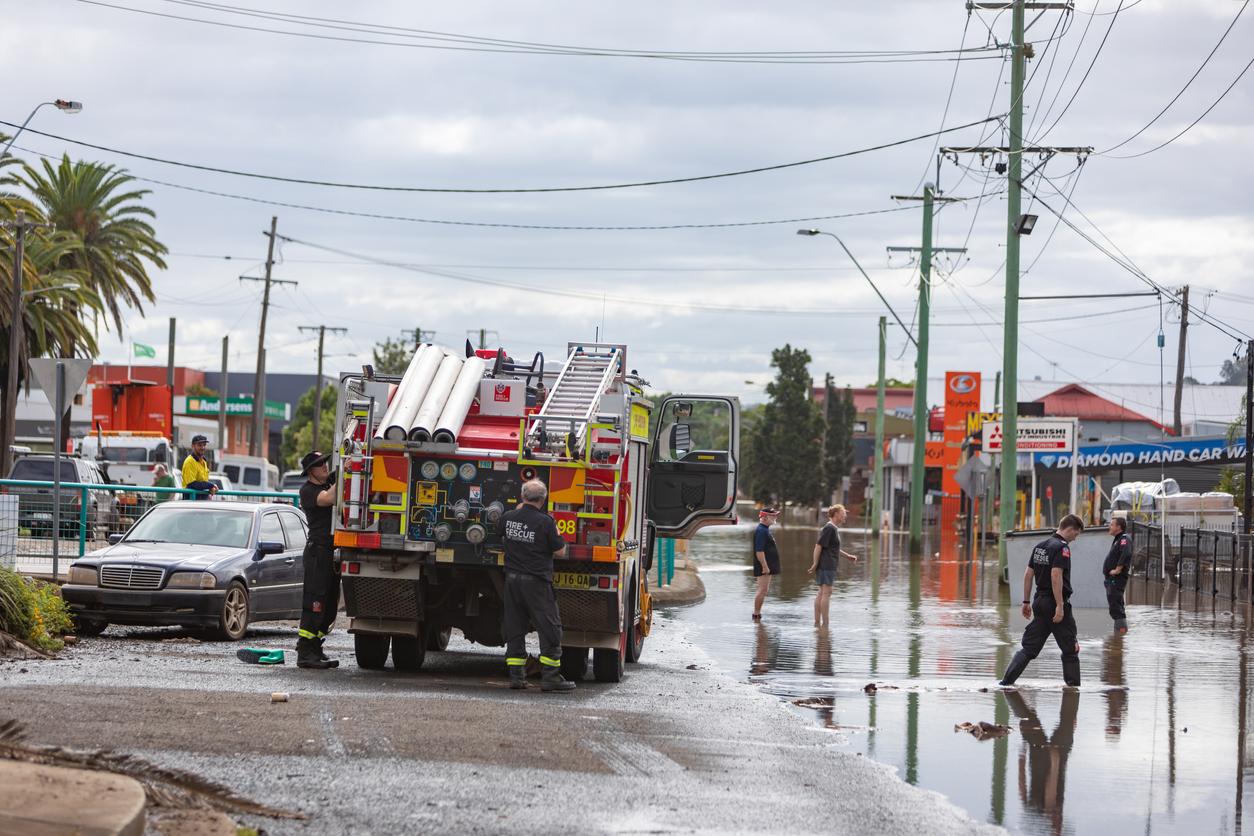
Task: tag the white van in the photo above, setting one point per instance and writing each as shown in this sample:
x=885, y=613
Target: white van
x=249, y=473
x=129, y=456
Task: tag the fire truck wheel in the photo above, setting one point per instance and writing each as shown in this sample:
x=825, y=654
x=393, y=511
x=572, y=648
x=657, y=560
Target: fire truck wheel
x=408, y=652
x=371, y=650
x=607, y=665
x=635, y=639
x=438, y=639
x=574, y=663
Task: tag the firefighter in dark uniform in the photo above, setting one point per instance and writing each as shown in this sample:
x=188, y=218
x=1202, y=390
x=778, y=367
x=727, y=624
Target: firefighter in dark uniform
x=321, y=595
x=1050, y=609
x=1115, y=569
x=531, y=542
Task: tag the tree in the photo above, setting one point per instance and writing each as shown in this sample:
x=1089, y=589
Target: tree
x=115, y=243
x=200, y=390
x=1233, y=371
x=298, y=435
x=788, y=441
x=392, y=356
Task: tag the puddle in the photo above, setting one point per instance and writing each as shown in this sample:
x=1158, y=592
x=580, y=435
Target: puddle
x=1153, y=741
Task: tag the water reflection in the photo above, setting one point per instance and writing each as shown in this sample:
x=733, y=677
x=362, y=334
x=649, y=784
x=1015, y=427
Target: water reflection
x=933, y=635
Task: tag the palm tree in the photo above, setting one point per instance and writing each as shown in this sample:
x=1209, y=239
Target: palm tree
x=116, y=245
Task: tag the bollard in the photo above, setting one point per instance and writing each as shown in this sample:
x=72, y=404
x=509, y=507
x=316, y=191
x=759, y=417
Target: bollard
x=82, y=521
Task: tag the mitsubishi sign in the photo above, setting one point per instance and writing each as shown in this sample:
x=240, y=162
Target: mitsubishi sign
x=1033, y=436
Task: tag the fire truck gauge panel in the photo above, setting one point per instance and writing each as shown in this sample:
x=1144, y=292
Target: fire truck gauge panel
x=430, y=470
x=467, y=471
x=448, y=471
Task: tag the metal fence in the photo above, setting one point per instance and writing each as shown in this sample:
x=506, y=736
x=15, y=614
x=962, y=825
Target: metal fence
x=1203, y=560
x=89, y=514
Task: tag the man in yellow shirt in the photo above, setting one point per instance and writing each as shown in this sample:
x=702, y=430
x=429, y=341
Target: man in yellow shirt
x=196, y=470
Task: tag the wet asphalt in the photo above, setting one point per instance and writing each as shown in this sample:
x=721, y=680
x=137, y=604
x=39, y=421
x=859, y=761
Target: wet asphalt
x=679, y=746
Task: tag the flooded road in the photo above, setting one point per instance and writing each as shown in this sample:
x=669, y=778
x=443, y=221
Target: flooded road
x=1154, y=741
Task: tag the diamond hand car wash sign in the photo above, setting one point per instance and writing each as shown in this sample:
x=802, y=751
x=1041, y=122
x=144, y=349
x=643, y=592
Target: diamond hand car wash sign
x=1033, y=436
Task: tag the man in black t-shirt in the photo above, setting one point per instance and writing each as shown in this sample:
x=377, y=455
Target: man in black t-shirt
x=1049, y=568
x=827, y=554
x=1115, y=570
x=320, y=597
x=531, y=542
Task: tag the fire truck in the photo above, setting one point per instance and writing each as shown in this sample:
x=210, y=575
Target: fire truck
x=429, y=462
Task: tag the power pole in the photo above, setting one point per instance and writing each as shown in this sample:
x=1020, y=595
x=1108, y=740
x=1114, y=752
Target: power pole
x=420, y=336
x=17, y=330
x=1184, y=329
x=919, y=450
x=169, y=376
x=222, y=393
x=877, y=484
x=259, y=386
x=317, y=405
x=1249, y=436
x=483, y=336
x=1019, y=51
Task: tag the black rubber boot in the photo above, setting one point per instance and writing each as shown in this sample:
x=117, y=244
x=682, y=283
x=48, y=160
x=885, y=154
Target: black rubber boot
x=1017, y=666
x=517, y=677
x=307, y=656
x=1071, y=672
x=551, y=680
x=1121, y=625
x=332, y=663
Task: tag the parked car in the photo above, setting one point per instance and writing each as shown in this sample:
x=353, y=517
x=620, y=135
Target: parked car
x=223, y=483
x=208, y=565
x=292, y=480
x=34, y=503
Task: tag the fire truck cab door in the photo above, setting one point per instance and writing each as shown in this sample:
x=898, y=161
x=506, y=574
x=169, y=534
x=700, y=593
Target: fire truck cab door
x=693, y=460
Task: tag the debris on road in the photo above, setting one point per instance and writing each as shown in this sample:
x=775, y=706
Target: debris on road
x=279, y=696
x=181, y=640
x=815, y=702
x=983, y=730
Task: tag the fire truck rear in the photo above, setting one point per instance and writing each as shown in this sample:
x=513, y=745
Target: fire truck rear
x=431, y=460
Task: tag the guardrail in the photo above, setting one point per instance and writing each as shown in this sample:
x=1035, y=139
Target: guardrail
x=89, y=514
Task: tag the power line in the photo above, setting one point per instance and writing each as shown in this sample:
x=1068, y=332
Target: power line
x=426, y=39
x=1192, y=78
x=425, y=189
x=1076, y=91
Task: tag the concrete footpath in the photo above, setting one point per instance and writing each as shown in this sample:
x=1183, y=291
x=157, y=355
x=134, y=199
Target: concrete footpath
x=685, y=587
x=676, y=746
x=36, y=800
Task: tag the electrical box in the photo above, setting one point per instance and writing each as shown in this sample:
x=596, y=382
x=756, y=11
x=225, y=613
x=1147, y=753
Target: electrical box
x=502, y=397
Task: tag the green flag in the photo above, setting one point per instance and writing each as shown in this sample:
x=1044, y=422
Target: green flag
x=142, y=350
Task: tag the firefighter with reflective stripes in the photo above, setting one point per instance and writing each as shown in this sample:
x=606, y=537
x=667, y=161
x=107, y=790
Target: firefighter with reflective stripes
x=321, y=595
x=1116, y=568
x=531, y=542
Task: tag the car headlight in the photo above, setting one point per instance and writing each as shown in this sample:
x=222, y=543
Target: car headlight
x=83, y=575
x=191, y=580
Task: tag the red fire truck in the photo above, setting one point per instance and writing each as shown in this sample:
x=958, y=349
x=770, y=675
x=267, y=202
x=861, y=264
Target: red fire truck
x=432, y=459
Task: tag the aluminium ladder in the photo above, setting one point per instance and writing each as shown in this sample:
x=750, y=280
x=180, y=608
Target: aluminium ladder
x=573, y=403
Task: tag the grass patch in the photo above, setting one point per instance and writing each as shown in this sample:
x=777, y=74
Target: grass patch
x=33, y=611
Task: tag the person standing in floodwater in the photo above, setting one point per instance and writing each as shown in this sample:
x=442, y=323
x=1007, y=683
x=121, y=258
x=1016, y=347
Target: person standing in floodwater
x=1115, y=568
x=1050, y=609
x=765, y=557
x=827, y=554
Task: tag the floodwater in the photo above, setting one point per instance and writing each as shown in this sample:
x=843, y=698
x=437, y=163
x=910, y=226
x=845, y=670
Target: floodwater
x=1153, y=742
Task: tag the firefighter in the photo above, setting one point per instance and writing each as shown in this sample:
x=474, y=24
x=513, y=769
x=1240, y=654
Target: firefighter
x=531, y=542
x=196, y=470
x=321, y=596
x=1050, y=610
x=1115, y=569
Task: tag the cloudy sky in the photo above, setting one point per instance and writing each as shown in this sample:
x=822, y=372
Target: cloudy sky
x=361, y=98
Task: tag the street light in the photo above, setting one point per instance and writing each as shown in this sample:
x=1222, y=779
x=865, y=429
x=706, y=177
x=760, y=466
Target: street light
x=20, y=225
x=1026, y=224
x=813, y=232
x=63, y=105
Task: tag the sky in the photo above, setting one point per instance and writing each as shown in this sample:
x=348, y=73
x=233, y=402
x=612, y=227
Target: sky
x=381, y=107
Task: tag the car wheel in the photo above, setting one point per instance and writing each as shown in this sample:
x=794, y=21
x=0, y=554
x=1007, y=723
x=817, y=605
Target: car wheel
x=438, y=639
x=607, y=665
x=84, y=626
x=371, y=650
x=574, y=663
x=408, y=652
x=233, y=620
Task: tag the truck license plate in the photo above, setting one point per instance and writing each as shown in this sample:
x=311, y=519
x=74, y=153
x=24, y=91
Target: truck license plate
x=570, y=580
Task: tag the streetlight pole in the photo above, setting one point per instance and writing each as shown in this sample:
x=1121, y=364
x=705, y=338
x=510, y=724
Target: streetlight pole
x=20, y=226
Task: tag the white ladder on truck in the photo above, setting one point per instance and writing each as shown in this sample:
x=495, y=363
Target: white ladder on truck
x=573, y=402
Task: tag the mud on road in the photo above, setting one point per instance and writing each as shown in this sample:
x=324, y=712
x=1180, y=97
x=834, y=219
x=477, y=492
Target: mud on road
x=676, y=747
